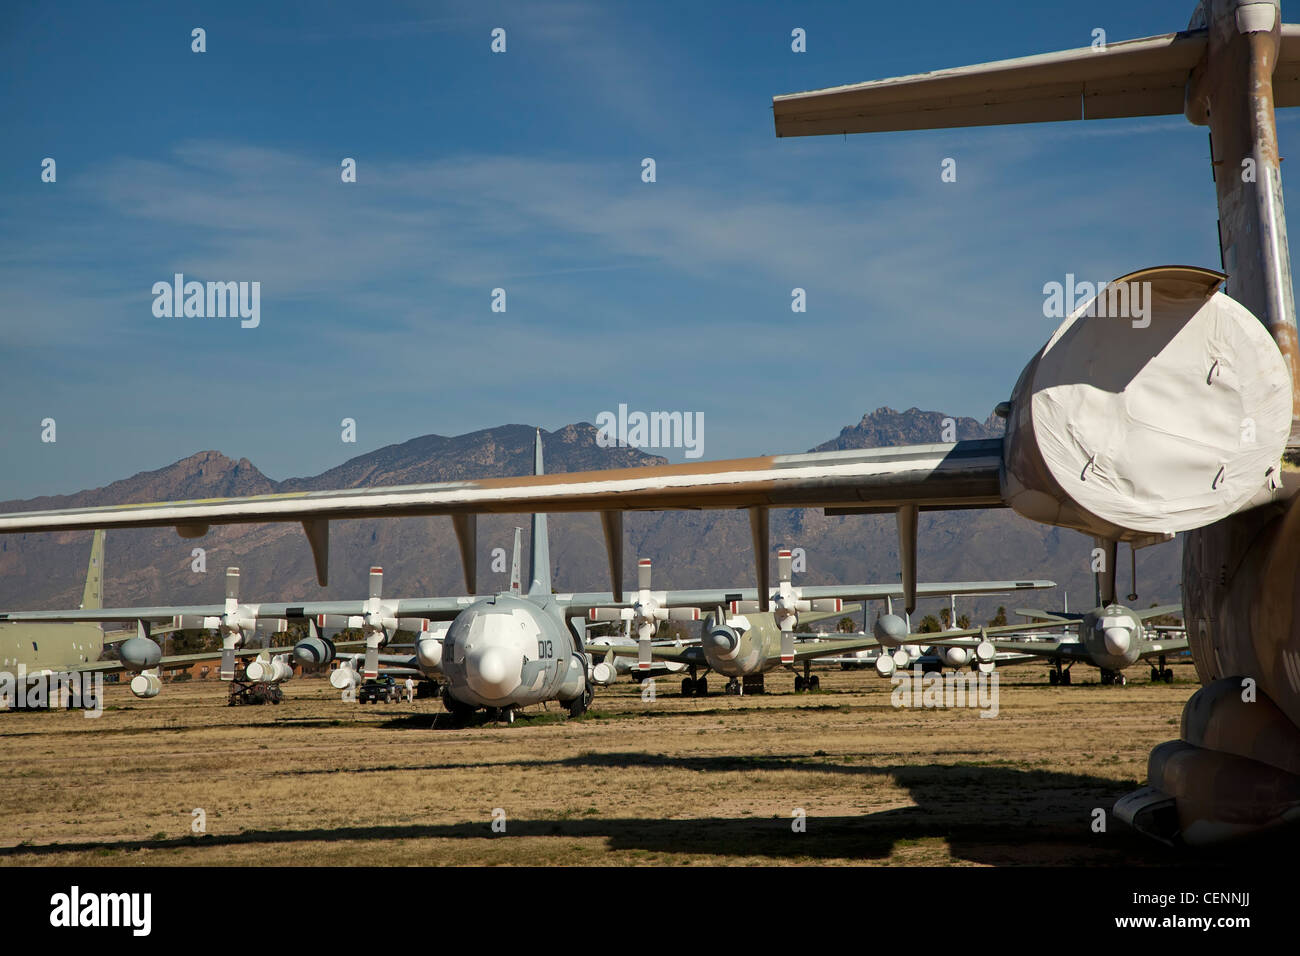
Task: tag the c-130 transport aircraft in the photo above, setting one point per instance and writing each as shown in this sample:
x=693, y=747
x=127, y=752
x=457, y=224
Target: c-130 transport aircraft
x=1127, y=434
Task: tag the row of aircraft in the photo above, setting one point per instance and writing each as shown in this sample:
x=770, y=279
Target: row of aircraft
x=1188, y=423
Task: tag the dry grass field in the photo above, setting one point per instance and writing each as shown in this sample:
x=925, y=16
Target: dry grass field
x=671, y=781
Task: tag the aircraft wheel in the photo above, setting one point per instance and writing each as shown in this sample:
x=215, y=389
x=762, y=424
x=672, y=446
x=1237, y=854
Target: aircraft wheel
x=1053, y=678
x=1121, y=680
x=702, y=687
x=1168, y=675
x=814, y=682
x=798, y=683
x=688, y=687
x=1155, y=675
x=1065, y=677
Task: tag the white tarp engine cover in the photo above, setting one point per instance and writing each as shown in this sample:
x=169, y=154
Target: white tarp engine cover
x=1120, y=428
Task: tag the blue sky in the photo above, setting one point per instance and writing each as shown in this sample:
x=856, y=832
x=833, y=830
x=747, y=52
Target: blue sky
x=522, y=171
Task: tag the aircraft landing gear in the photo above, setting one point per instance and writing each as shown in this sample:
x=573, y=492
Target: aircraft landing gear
x=807, y=681
x=1058, y=675
x=1162, y=673
x=578, y=706
x=460, y=712
x=734, y=686
x=695, y=687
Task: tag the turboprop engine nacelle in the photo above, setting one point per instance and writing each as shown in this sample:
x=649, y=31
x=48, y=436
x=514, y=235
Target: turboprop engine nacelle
x=139, y=653
x=1165, y=409
x=146, y=685
x=428, y=647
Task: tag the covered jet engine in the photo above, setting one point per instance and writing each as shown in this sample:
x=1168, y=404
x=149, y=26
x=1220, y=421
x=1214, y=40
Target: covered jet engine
x=1160, y=406
x=146, y=685
x=345, y=676
x=267, y=670
x=603, y=674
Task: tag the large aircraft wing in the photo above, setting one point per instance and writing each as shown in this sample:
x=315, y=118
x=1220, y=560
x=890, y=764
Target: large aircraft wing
x=1046, y=617
x=673, y=653
x=432, y=608
x=1160, y=611
x=876, y=480
x=1161, y=647
x=110, y=667
x=577, y=604
x=1145, y=77
x=805, y=650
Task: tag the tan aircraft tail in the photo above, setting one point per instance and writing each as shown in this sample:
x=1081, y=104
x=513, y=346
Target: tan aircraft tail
x=93, y=597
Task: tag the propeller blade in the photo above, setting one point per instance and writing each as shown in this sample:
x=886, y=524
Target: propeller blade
x=783, y=565
x=232, y=584
x=683, y=614
x=608, y=614
x=787, y=646
x=822, y=605
x=372, y=660
x=644, y=635
x=643, y=574
x=227, y=663
x=376, y=583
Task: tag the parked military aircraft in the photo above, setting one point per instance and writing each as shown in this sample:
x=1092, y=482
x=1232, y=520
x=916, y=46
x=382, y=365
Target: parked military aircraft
x=1122, y=433
x=1110, y=638
x=743, y=643
x=35, y=643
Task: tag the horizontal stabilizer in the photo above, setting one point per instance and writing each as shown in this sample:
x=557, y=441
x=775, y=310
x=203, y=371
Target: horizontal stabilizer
x=1143, y=77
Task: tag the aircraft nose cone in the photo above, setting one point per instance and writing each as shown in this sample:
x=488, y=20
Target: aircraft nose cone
x=493, y=672
x=1117, y=640
x=721, y=641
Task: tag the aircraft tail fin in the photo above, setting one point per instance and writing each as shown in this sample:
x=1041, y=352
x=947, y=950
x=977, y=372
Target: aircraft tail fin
x=515, y=581
x=539, y=571
x=1144, y=77
x=93, y=596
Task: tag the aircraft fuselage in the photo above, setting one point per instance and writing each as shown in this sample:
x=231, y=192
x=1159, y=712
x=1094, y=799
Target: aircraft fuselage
x=509, y=651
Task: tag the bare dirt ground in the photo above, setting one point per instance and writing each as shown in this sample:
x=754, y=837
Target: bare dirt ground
x=670, y=781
